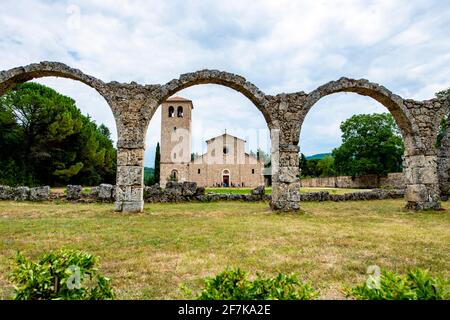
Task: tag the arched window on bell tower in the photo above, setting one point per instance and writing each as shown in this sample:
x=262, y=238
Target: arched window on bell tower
x=171, y=112
x=180, y=112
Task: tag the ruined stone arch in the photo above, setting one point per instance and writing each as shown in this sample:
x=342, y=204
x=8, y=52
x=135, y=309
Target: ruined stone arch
x=230, y=80
x=10, y=78
x=394, y=103
x=133, y=106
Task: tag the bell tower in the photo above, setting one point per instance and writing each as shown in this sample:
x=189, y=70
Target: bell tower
x=176, y=119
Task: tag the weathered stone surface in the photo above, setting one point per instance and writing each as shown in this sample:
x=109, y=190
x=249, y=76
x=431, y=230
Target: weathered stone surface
x=200, y=191
x=6, y=193
x=94, y=192
x=40, y=193
x=105, y=192
x=130, y=175
x=258, y=191
x=21, y=193
x=189, y=188
x=74, y=192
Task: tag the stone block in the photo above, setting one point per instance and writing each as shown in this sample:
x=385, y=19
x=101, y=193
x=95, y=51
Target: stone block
x=130, y=157
x=258, y=191
x=94, y=192
x=40, y=193
x=129, y=193
x=287, y=174
x=416, y=193
x=415, y=161
x=105, y=192
x=21, y=193
x=130, y=175
x=188, y=188
x=200, y=191
x=6, y=193
x=74, y=192
x=129, y=206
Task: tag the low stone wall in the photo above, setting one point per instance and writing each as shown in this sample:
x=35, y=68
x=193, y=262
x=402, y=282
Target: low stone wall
x=24, y=193
x=178, y=192
x=188, y=191
x=376, y=194
x=102, y=193
x=392, y=180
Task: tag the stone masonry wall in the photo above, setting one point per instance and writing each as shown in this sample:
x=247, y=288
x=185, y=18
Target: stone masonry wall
x=392, y=180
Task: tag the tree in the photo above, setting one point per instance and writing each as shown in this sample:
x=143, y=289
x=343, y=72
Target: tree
x=443, y=125
x=443, y=94
x=302, y=163
x=371, y=144
x=325, y=167
x=157, y=164
x=53, y=142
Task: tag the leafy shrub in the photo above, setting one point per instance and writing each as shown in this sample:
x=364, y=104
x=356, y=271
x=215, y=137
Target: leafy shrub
x=234, y=285
x=416, y=285
x=62, y=275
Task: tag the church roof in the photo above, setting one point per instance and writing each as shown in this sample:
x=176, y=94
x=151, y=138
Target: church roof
x=179, y=99
x=225, y=134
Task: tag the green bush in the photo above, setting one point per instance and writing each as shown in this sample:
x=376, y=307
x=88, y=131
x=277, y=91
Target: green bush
x=234, y=285
x=61, y=275
x=416, y=285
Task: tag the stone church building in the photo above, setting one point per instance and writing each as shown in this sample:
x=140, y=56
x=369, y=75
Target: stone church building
x=224, y=164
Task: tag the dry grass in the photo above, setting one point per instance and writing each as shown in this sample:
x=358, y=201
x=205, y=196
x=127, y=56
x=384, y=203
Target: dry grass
x=149, y=255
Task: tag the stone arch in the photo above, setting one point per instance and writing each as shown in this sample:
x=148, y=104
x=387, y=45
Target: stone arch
x=10, y=78
x=391, y=101
x=230, y=80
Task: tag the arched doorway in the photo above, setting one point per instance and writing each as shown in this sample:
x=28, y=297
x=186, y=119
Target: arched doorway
x=226, y=178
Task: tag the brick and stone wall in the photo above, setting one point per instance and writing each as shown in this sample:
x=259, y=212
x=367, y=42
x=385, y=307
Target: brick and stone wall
x=392, y=180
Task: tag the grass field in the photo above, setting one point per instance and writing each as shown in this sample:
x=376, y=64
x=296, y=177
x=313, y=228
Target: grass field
x=149, y=255
x=269, y=190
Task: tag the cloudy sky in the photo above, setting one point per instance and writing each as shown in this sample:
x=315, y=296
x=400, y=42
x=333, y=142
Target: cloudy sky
x=280, y=46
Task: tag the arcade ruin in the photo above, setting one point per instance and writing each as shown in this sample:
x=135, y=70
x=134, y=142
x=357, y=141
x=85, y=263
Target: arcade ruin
x=133, y=105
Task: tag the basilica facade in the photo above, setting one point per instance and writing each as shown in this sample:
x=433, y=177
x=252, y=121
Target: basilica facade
x=225, y=163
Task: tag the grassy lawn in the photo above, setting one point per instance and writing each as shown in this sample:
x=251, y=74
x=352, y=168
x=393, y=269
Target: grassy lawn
x=269, y=190
x=149, y=255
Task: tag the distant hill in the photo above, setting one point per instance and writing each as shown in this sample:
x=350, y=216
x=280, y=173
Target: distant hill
x=318, y=156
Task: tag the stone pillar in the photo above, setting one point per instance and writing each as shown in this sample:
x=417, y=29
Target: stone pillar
x=133, y=106
x=422, y=187
x=285, y=175
x=130, y=180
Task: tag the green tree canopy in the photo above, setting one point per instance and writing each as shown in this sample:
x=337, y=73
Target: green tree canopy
x=371, y=144
x=49, y=141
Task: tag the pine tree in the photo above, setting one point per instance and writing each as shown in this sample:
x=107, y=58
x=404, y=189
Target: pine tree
x=157, y=163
